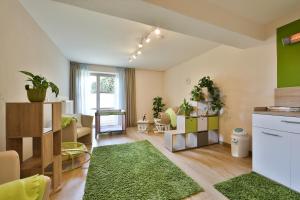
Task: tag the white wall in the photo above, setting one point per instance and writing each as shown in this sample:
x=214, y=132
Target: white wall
x=24, y=46
x=149, y=84
x=247, y=78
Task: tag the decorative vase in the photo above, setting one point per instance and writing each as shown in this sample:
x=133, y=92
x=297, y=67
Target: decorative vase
x=36, y=94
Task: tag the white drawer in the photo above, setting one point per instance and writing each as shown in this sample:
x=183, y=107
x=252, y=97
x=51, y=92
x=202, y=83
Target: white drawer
x=280, y=123
x=202, y=124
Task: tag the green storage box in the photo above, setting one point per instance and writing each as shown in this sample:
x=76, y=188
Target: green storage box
x=213, y=123
x=187, y=124
x=191, y=125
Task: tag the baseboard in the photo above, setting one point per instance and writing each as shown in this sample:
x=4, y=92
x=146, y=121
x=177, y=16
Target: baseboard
x=225, y=144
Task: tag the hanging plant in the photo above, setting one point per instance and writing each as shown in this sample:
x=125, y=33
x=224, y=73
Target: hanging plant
x=213, y=93
x=197, y=94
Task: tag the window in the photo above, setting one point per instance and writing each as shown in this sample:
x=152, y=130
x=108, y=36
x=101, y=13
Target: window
x=102, y=94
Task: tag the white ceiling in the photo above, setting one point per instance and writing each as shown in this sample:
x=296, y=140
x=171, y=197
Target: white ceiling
x=260, y=11
x=106, y=32
x=90, y=37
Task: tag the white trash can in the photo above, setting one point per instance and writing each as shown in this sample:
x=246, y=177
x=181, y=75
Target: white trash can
x=239, y=143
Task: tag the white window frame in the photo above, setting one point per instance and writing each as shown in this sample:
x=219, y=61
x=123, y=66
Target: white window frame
x=98, y=75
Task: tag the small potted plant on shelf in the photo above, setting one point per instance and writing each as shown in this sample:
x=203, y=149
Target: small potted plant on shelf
x=158, y=106
x=37, y=92
x=185, y=108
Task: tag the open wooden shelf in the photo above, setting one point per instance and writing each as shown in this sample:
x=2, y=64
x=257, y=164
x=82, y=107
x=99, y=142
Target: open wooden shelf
x=28, y=120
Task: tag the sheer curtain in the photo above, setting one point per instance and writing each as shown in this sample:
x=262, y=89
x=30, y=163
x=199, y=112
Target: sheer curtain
x=120, y=88
x=82, y=77
x=78, y=91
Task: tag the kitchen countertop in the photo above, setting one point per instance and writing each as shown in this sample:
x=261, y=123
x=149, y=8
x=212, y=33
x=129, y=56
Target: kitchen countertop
x=264, y=111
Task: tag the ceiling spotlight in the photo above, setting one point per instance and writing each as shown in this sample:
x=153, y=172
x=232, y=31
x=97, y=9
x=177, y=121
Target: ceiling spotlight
x=134, y=56
x=139, y=52
x=140, y=45
x=157, y=31
x=147, y=40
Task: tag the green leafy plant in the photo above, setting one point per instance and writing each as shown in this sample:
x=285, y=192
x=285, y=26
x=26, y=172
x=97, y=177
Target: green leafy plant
x=197, y=94
x=185, y=108
x=158, y=106
x=214, y=93
x=39, y=82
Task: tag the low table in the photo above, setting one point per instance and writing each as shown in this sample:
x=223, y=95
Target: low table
x=101, y=113
x=143, y=126
x=176, y=141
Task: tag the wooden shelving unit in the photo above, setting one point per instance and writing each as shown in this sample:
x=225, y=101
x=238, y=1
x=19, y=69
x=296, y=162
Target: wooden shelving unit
x=28, y=120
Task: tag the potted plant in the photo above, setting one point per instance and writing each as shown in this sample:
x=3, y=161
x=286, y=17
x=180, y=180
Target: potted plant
x=158, y=106
x=185, y=108
x=215, y=102
x=197, y=94
x=37, y=92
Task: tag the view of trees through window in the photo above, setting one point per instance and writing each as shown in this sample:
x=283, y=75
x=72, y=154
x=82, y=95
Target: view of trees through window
x=107, y=85
x=105, y=99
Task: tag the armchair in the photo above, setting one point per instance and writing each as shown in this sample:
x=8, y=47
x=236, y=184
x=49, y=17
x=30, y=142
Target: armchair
x=10, y=171
x=73, y=133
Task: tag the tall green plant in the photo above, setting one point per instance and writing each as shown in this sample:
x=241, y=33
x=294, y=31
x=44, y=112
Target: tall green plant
x=158, y=106
x=39, y=82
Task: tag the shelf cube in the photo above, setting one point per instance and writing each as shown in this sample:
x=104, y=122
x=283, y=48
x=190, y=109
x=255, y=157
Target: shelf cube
x=213, y=123
x=174, y=141
x=202, y=139
x=213, y=137
x=186, y=124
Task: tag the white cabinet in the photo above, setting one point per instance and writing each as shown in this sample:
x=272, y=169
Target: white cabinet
x=295, y=162
x=271, y=156
x=276, y=147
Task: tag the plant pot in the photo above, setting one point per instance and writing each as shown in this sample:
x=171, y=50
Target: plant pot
x=187, y=114
x=36, y=95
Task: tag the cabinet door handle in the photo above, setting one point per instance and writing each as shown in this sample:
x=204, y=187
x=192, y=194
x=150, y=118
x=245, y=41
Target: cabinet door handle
x=271, y=134
x=290, y=122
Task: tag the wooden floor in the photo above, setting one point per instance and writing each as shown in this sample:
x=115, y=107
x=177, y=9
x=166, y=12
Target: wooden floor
x=207, y=165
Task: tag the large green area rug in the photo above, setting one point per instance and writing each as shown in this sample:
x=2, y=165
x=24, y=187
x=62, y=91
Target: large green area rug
x=135, y=171
x=255, y=187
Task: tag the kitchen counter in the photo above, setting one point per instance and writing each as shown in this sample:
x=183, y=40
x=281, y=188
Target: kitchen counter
x=264, y=111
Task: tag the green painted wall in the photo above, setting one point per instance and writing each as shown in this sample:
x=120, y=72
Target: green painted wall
x=288, y=57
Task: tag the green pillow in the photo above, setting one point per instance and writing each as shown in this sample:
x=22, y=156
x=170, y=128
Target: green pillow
x=24, y=189
x=173, y=117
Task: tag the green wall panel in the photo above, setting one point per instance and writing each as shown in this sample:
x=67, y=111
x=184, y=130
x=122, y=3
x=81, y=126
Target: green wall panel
x=288, y=57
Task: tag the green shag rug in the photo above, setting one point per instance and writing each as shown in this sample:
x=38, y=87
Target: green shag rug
x=135, y=171
x=255, y=187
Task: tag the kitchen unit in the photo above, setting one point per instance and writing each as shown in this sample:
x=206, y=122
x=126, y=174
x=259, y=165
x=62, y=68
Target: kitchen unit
x=276, y=146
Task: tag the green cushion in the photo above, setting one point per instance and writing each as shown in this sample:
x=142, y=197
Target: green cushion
x=66, y=120
x=31, y=188
x=173, y=117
